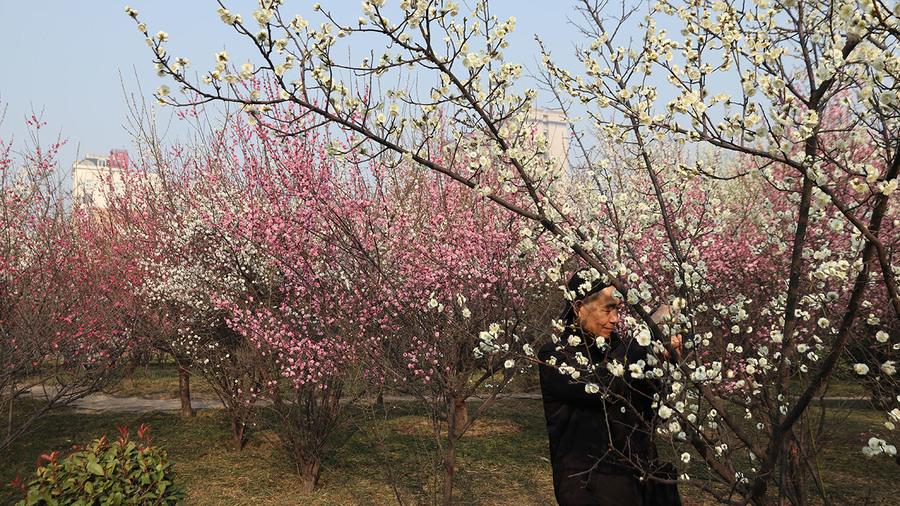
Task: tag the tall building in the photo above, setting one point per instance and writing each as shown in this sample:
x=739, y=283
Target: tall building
x=552, y=124
x=94, y=176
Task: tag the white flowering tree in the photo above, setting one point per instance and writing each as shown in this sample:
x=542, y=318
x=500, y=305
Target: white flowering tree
x=812, y=117
x=176, y=210
x=792, y=105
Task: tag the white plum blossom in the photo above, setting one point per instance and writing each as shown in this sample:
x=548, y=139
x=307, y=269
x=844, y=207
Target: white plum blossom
x=636, y=370
x=665, y=412
x=876, y=446
x=616, y=368
x=643, y=337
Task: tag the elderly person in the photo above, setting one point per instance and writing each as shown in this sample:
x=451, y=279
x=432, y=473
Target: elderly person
x=599, y=425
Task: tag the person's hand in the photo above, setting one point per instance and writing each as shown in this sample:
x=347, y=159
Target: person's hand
x=675, y=343
x=664, y=314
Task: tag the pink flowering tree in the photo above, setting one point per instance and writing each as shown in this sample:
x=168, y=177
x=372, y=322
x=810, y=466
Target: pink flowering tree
x=68, y=318
x=309, y=327
x=244, y=249
x=459, y=279
x=387, y=273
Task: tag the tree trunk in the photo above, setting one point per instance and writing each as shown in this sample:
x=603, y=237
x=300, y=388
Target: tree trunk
x=184, y=389
x=449, y=467
x=459, y=414
x=794, y=484
x=237, y=433
x=309, y=473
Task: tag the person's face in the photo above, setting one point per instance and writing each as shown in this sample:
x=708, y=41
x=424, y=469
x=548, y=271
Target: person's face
x=598, y=314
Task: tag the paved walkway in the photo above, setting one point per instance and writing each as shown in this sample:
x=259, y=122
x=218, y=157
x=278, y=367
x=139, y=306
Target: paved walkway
x=104, y=402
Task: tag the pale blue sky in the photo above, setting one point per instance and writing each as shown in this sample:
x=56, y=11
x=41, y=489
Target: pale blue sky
x=66, y=57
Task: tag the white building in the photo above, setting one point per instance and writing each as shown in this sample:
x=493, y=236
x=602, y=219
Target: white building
x=95, y=176
x=552, y=124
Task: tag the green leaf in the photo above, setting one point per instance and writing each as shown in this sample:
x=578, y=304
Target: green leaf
x=95, y=468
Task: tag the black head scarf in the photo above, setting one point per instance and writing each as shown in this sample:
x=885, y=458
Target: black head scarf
x=583, y=288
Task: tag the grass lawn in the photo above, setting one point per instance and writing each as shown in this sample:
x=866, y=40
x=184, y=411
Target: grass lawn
x=502, y=461
x=380, y=453
x=157, y=379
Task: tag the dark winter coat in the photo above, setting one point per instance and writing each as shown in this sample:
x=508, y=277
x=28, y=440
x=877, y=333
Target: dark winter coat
x=601, y=446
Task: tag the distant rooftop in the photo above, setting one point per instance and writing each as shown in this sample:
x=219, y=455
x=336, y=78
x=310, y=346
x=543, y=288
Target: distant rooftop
x=117, y=158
